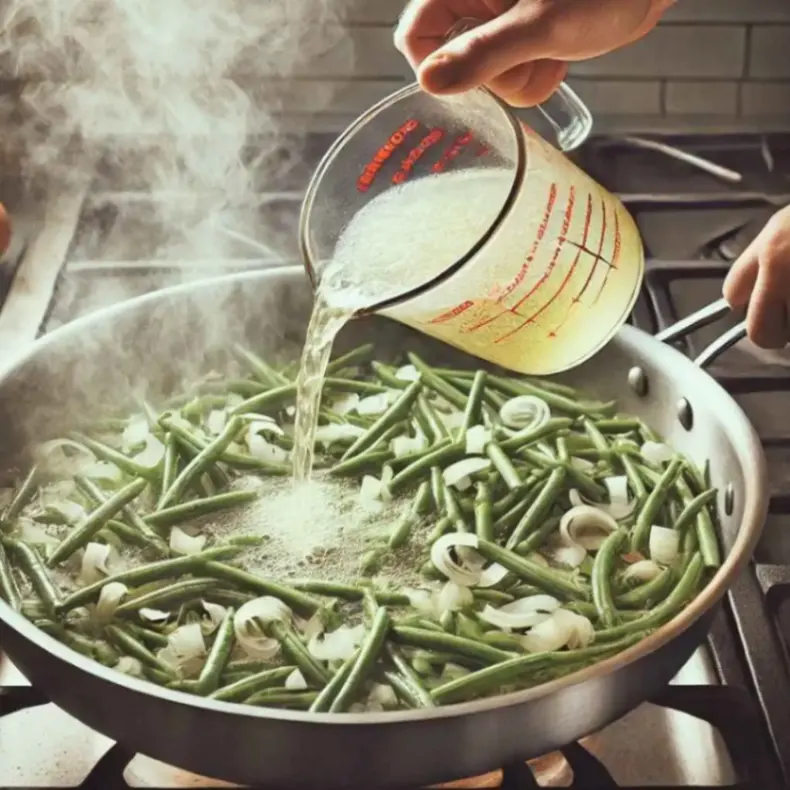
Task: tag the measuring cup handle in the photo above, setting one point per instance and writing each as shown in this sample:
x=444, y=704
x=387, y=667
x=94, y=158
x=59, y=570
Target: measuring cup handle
x=568, y=116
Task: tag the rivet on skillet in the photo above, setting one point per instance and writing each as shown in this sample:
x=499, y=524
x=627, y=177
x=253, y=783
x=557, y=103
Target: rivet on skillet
x=729, y=499
x=685, y=414
x=637, y=380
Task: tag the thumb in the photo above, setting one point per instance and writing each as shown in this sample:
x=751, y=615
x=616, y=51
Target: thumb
x=5, y=230
x=479, y=55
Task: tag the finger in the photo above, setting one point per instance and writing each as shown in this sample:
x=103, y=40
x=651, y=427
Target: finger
x=530, y=83
x=480, y=55
x=766, y=319
x=5, y=230
x=741, y=278
x=422, y=29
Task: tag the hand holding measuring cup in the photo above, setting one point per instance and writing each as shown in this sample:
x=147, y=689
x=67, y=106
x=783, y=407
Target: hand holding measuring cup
x=522, y=49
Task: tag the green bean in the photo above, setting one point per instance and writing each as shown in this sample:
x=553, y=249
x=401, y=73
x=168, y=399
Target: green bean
x=584, y=483
x=503, y=465
x=653, y=504
x=94, y=521
x=35, y=570
x=537, y=538
x=143, y=574
x=529, y=435
x=547, y=579
x=436, y=383
x=268, y=400
x=365, y=662
x=706, y=534
x=692, y=508
x=492, y=596
x=147, y=635
x=94, y=493
x=218, y=656
x=684, y=590
x=9, y=590
x=473, y=403
x=199, y=464
x=453, y=510
x=283, y=698
x=618, y=425
x=235, y=692
x=437, y=488
x=395, y=413
x=129, y=645
x=261, y=370
x=603, y=567
x=484, y=522
x=199, y=507
x=410, y=685
x=361, y=463
x=326, y=698
x=23, y=496
x=456, y=645
x=553, y=399
x=300, y=602
x=123, y=462
x=355, y=356
x=444, y=454
x=428, y=415
x=403, y=528
x=648, y=594
x=539, y=509
x=635, y=480
x=164, y=597
x=515, y=668
x=296, y=652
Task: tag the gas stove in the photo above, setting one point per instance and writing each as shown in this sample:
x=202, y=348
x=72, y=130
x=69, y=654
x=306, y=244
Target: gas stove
x=725, y=721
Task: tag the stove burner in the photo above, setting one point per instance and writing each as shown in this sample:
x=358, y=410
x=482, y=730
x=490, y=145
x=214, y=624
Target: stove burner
x=731, y=711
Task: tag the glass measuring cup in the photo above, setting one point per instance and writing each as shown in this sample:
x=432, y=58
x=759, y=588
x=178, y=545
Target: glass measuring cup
x=541, y=269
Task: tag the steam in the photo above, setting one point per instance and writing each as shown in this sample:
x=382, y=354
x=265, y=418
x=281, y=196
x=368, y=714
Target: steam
x=167, y=94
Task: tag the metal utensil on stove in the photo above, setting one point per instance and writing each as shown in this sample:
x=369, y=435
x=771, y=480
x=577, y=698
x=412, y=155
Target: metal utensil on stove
x=64, y=376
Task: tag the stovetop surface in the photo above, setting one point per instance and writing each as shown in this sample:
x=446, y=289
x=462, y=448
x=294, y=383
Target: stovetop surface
x=691, y=234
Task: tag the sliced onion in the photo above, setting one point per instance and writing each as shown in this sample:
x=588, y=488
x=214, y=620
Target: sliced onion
x=374, y=405
x=185, y=651
x=523, y=613
x=582, y=464
x=153, y=453
x=641, y=571
x=408, y=373
x=452, y=420
x=586, y=526
x=216, y=614
x=656, y=453
x=181, y=543
x=477, y=437
x=424, y=601
x=129, y=666
x=109, y=599
x=442, y=559
x=568, y=556
x=453, y=597
x=135, y=433
x=383, y=696
x=664, y=545
x=370, y=494
x=249, y=625
x=458, y=474
x=233, y=400
x=154, y=615
x=337, y=645
x=266, y=451
x=404, y=445
x=95, y=559
x=54, y=460
x=560, y=629
x=312, y=627
x=263, y=425
x=525, y=412
x=346, y=403
x=103, y=470
x=492, y=575
x=295, y=681
x=216, y=421
x=618, y=506
x=71, y=512
x=538, y=559
x=337, y=432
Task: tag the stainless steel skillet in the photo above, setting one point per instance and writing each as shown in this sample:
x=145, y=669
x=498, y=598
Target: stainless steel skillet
x=150, y=344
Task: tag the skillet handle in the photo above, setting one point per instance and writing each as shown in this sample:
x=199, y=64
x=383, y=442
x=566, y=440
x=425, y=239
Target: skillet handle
x=702, y=317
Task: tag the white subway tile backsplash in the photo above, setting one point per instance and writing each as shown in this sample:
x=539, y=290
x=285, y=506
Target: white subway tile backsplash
x=769, y=51
x=620, y=97
x=765, y=99
x=727, y=11
x=701, y=98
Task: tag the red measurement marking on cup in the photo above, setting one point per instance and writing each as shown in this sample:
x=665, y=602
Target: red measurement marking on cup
x=416, y=153
x=452, y=151
x=596, y=256
x=382, y=156
x=615, y=255
x=501, y=295
x=454, y=313
x=561, y=241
